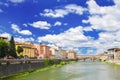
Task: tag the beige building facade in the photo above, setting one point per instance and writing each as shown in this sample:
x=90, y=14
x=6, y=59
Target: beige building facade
x=72, y=54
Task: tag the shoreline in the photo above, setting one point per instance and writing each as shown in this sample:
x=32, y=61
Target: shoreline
x=112, y=63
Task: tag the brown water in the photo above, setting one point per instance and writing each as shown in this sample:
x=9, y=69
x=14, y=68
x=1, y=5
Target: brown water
x=78, y=71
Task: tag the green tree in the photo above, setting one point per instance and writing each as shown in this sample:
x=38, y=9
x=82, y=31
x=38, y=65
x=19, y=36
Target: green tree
x=12, y=49
x=3, y=48
x=19, y=49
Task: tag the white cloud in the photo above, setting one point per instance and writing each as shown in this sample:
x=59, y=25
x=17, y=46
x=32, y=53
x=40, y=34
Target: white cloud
x=41, y=24
x=5, y=34
x=17, y=39
x=85, y=21
x=87, y=29
x=71, y=37
x=107, y=40
x=71, y=8
x=107, y=19
x=58, y=23
x=16, y=1
x=17, y=29
x=54, y=13
x=25, y=32
x=20, y=39
x=25, y=25
x=104, y=18
x=1, y=10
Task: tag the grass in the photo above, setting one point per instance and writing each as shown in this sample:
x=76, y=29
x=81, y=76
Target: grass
x=112, y=63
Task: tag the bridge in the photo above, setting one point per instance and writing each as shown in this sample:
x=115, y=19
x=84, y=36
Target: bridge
x=90, y=57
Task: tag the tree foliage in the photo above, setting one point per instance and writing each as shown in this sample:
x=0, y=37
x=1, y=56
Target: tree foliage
x=12, y=49
x=19, y=49
x=3, y=48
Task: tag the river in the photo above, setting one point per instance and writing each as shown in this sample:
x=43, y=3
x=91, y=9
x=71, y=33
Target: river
x=78, y=71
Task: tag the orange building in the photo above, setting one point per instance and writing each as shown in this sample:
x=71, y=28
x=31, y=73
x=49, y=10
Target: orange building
x=44, y=51
x=37, y=49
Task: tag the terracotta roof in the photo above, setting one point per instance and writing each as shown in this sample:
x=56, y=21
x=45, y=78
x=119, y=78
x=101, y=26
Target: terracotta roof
x=116, y=49
x=3, y=37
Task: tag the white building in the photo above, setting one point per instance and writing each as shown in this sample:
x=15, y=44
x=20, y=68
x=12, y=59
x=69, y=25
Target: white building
x=56, y=52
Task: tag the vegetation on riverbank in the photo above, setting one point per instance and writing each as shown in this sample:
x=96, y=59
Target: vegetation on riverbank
x=22, y=74
x=112, y=63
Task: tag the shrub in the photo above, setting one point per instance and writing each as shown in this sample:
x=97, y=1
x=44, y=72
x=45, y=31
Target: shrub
x=8, y=63
x=77, y=59
x=51, y=62
x=21, y=62
x=0, y=63
x=46, y=62
x=62, y=63
x=59, y=61
x=29, y=62
x=21, y=56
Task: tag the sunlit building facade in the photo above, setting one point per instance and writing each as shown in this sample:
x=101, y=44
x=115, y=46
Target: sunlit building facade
x=28, y=49
x=72, y=54
x=64, y=54
x=56, y=52
x=44, y=51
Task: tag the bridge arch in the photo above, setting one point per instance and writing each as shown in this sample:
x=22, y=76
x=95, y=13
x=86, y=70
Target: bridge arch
x=90, y=57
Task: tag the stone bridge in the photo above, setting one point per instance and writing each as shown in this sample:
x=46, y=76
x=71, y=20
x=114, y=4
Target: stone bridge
x=90, y=57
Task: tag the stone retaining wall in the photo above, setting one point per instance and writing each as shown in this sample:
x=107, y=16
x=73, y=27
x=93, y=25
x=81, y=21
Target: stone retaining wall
x=6, y=70
x=10, y=69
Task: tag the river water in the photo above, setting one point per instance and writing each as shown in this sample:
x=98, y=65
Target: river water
x=78, y=71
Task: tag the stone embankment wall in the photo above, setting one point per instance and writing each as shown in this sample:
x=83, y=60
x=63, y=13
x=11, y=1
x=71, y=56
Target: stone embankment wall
x=6, y=70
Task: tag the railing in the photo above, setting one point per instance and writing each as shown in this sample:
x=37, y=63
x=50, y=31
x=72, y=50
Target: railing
x=18, y=61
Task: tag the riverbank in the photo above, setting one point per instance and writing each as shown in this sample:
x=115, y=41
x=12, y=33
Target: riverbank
x=26, y=73
x=116, y=63
x=11, y=68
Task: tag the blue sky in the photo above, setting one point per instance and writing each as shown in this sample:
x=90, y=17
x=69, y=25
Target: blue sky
x=87, y=26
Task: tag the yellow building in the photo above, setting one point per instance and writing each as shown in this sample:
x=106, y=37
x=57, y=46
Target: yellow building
x=28, y=49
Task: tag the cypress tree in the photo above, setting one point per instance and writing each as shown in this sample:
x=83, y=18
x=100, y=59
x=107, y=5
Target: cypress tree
x=12, y=49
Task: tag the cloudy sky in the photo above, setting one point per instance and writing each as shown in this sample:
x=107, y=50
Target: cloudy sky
x=87, y=26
